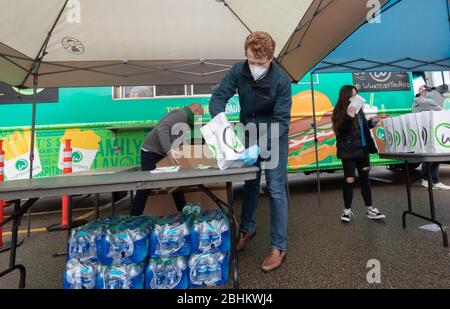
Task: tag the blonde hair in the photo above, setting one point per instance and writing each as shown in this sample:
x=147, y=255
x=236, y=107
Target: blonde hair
x=261, y=44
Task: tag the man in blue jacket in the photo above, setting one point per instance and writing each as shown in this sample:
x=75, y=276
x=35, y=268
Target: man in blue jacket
x=265, y=98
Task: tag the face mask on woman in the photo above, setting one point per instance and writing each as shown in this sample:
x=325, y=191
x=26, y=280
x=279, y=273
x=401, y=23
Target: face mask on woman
x=429, y=95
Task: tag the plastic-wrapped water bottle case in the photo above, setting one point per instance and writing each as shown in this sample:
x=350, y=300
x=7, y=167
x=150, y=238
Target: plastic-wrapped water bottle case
x=177, y=251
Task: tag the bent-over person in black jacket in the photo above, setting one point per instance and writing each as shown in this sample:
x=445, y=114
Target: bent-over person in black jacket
x=158, y=144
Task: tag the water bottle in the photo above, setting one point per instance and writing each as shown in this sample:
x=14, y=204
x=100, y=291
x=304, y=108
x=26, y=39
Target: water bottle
x=191, y=211
x=159, y=277
x=80, y=275
x=196, y=209
x=167, y=273
x=129, y=276
x=127, y=242
x=173, y=274
x=209, y=269
x=170, y=237
x=210, y=232
x=85, y=242
x=187, y=210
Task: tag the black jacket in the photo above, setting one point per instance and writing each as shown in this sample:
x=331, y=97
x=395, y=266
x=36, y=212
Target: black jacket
x=348, y=139
x=267, y=100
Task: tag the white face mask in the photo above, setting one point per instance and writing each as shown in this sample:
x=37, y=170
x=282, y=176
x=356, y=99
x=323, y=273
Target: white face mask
x=257, y=71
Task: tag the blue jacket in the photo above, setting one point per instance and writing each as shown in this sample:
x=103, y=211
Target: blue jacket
x=267, y=100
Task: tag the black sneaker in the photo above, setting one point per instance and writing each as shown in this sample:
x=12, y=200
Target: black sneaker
x=346, y=215
x=375, y=214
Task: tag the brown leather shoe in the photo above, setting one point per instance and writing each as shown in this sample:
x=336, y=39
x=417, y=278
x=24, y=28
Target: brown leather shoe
x=273, y=259
x=243, y=238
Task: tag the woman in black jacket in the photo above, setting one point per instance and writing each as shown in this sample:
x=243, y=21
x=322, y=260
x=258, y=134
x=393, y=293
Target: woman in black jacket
x=354, y=144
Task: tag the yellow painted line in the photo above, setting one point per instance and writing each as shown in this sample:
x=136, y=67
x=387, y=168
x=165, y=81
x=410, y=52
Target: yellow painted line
x=36, y=230
x=86, y=215
x=44, y=229
x=92, y=212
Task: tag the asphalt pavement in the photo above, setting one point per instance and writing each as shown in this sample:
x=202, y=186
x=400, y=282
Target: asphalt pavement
x=322, y=251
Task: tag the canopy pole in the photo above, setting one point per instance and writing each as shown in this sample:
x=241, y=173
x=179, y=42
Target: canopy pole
x=35, y=73
x=33, y=130
x=444, y=85
x=236, y=15
x=314, y=126
x=33, y=122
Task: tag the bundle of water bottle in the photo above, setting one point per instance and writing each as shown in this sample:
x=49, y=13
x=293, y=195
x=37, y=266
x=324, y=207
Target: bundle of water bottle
x=177, y=251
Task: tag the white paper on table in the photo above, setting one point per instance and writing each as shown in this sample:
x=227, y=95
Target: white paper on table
x=165, y=169
x=430, y=227
x=202, y=167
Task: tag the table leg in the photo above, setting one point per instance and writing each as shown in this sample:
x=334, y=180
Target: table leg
x=6, y=245
x=69, y=219
x=12, y=254
x=408, y=193
x=113, y=204
x=430, y=192
x=69, y=225
x=431, y=199
x=234, y=258
x=432, y=212
x=131, y=198
x=29, y=223
x=97, y=205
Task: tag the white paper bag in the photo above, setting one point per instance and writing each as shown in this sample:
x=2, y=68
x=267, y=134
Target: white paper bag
x=423, y=120
x=440, y=131
x=398, y=137
x=404, y=132
x=413, y=133
x=389, y=144
x=223, y=142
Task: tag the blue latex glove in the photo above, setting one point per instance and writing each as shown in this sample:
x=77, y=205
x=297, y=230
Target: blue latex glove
x=250, y=155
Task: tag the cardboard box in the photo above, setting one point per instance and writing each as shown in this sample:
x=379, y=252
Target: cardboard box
x=161, y=203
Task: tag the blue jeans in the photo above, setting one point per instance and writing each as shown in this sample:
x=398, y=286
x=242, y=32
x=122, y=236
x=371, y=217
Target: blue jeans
x=276, y=185
x=434, y=171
